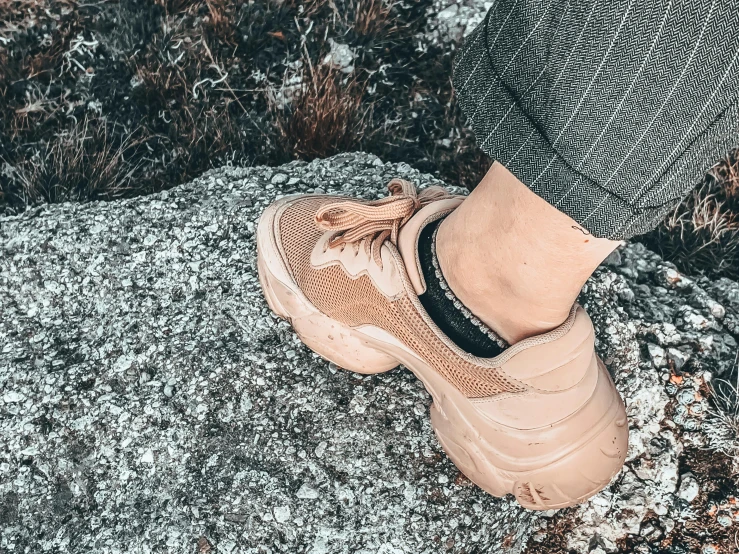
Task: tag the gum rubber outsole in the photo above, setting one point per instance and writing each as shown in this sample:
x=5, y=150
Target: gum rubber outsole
x=577, y=475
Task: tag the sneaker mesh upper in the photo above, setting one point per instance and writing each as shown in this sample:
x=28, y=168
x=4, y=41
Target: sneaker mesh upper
x=356, y=301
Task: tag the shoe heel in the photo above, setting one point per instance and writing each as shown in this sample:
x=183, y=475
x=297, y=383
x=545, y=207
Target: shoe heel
x=460, y=442
x=567, y=480
x=579, y=475
x=326, y=337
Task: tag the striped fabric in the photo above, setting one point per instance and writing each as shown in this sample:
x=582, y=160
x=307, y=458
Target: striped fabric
x=611, y=110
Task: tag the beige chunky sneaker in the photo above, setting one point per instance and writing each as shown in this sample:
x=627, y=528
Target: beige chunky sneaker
x=541, y=421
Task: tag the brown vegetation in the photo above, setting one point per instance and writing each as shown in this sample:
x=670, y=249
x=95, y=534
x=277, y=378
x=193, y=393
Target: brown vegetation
x=107, y=99
x=83, y=163
x=702, y=233
x=325, y=117
x=371, y=17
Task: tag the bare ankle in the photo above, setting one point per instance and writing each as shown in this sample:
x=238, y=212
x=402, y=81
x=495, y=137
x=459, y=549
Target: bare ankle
x=514, y=260
x=512, y=305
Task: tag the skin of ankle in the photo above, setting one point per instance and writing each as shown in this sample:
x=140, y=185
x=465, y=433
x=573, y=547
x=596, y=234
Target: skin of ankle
x=513, y=259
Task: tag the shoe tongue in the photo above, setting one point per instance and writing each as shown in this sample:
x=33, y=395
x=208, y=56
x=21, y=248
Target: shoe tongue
x=409, y=233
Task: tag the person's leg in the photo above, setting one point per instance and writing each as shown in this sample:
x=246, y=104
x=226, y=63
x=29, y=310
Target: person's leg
x=609, y=112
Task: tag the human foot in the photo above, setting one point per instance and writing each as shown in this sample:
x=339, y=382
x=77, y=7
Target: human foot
x=542, y=420
x=514, y=260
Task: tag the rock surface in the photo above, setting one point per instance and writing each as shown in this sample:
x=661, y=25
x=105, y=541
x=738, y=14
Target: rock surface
x=450, y=21
x=665, y=337
x=151, y=403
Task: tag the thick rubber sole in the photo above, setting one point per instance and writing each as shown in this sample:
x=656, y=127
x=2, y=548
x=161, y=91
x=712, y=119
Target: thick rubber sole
x=583, y=465
x=574, y=477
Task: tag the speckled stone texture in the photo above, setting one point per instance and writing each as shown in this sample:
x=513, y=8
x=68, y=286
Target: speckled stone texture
x=450, y=21
x=149, y=401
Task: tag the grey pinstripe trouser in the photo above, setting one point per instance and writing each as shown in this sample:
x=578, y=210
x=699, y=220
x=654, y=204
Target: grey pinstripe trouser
x=611, y=110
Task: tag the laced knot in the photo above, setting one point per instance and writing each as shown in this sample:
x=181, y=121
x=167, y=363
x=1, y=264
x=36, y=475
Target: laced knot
x=377, y=221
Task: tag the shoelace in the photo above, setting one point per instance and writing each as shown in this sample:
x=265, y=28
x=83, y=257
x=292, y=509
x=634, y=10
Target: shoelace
x=377, y=221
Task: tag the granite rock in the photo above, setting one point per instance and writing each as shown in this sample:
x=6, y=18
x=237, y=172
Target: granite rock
x=152, y=403
x=450, y=21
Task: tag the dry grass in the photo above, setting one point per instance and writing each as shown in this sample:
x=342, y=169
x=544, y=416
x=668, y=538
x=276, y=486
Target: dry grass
x=80, y=164
x=727, y=174
x=702, y=233
x=722, y=423
x=366, y=18
x=371, y=17
x=326, y=116
x=192, y=79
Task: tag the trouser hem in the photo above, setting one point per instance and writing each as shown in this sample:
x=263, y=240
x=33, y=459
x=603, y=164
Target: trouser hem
x=505, y=132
